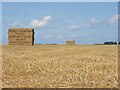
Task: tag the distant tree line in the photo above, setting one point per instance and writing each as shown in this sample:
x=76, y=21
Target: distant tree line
x=111, y=43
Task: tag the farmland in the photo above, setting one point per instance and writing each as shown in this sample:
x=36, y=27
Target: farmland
x=53, y=66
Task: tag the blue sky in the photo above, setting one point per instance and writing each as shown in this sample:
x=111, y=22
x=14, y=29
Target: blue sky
x=86, y=23
x=60, y=0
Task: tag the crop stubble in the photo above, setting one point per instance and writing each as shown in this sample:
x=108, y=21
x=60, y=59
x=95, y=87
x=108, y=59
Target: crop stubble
x=45, y=66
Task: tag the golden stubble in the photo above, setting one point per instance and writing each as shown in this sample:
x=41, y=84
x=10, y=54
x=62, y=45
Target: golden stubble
x=55, y=66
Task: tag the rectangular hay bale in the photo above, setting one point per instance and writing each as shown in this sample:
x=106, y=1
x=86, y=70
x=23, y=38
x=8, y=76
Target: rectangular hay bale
x=70, y=42
x=21, y=36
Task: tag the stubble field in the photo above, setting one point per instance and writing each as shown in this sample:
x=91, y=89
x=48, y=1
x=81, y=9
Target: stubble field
x=53, y=66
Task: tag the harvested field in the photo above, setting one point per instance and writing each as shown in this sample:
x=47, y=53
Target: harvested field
x=77, y=66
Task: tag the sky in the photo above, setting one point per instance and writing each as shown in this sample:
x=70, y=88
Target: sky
x=60, y=0
x=56, y=22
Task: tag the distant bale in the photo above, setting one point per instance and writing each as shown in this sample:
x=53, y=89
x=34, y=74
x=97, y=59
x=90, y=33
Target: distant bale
x=21, y=36
x=70, y=42
x=51, y=44
x=38, y=44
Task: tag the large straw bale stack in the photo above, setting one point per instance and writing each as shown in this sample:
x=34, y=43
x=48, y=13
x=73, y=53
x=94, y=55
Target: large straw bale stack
x=21, y=36
x=70, y=42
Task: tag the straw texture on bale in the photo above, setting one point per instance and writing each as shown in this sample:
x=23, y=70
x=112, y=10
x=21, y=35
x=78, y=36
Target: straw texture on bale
x=21, y=36
x=70, y=42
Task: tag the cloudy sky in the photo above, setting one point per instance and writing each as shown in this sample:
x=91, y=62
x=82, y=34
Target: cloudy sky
x=86, y=23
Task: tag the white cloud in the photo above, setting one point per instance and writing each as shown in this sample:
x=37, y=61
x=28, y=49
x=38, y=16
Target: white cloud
x=78, y=27
x=73, y=36
x=15, y=23
x=40, y=23
x=74, y=27
x=93, y=20
x=114, y=19
x=47, y=37
x=19, y=24
x=88, y=25
x=60, y=37
x=84, y=26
